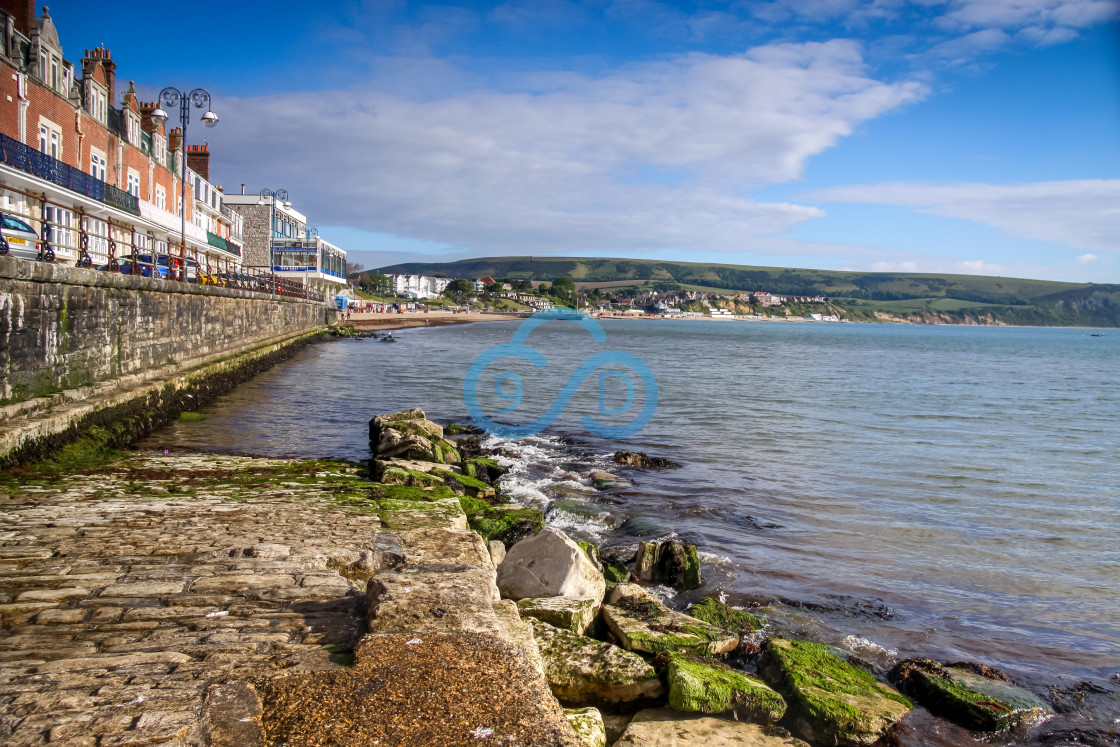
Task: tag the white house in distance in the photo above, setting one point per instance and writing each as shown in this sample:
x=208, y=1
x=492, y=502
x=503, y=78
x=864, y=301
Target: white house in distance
x=418, y=286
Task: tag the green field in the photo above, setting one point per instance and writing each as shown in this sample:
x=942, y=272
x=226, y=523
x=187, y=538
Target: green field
x=859, y=295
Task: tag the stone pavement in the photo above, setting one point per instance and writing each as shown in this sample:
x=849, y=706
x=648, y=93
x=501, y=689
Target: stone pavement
x=150, y=600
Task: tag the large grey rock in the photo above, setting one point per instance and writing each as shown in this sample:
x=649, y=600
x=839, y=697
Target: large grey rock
x=642, y=623
x=549, y=564
x=565, y=613
x=433, y=598
x=584, y=671
x=666, y=728
x=443, y=545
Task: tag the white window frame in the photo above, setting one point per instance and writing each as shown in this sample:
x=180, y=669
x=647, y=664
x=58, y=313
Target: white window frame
x=50, y=138
x=97, y=164
x=133, y=183
x=161, y=197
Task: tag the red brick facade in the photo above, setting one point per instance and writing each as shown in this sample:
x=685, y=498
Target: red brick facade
x=85, y=123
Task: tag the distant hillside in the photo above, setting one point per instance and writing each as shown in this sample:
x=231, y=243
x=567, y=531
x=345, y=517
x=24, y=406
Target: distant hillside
x=915, y=297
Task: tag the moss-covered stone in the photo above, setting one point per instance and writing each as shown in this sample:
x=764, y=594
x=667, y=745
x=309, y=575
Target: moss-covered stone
x=405, y=515
x=591, y=550
x=470, y=485
x=830, y=701
x=455, y=429
x=725, y=616
x=615, y=572
x=981, y=699
x=588, y=725
x=486, y=468
x=509, y=525
x=707, y=686
x=394, y=475
x=584, y=671
x=188, y=416
x=566, y=613
x=641, y=623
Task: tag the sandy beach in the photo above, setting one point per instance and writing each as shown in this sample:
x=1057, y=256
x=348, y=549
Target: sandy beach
x=369, y=321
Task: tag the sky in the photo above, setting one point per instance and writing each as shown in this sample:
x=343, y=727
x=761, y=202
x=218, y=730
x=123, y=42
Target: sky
x=961, y=136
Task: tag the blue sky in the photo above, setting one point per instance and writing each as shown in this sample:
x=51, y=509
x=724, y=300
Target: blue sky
x=977, y=136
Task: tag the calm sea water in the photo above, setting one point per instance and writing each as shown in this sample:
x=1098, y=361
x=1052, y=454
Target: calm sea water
x=951, y=492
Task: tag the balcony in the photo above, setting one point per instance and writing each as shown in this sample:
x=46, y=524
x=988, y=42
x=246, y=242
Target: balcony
x=27, y=159
x=224, y=244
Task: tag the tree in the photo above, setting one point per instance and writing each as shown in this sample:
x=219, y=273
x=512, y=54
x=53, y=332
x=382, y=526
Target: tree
x=376, y=283
x=494, y=288
x=458, y=290
x=565, y=289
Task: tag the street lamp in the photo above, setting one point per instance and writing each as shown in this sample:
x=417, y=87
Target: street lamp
x=172, y=97
x=272, y=196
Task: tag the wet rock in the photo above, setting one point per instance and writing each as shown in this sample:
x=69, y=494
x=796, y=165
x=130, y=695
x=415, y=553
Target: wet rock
x=607, y=481
x=582, y=670
x=725, y=616
x=977, y=698
x=587, y=723
x=393, y=444
x=484, y=468
x=663, y=727
x=707, y=686
x=670, y=562
x=549, y=564
x=639, y=460
x=508, y=523
x=566, y=613
x=642, y=623
x=830, y=701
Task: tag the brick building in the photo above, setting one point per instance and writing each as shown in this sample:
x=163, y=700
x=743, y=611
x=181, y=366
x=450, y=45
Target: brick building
x=98, y=177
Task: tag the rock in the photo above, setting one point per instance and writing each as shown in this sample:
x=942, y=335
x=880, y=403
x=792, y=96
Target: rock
x=607, y=481
x=725, y=616
x=699, y=686
x=643, y=461
x=497, y=551
x=509, y=523
x=663, y=727
x=549, y=564
x=616, y=724
x=641, y=623
x=973, y=696
x=582, y=670
x=450, y=546
x=670, y=562
x=396, y=445
x=405, y=515
x=830, y=701
x=587, y=723
x=566, y=613
x=432, y=598
x=484, y=468
x=591, y=550
x=467, y=484
x=518, y=632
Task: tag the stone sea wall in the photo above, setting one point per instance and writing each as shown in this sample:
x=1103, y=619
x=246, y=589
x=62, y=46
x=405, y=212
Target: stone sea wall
x=81, y=349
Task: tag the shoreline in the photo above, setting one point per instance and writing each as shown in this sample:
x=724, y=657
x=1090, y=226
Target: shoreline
x=376, y=322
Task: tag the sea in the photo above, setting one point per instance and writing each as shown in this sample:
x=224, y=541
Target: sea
x=949, y=492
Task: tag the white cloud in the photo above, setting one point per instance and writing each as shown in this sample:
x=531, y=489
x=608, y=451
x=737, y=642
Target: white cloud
x=1085, y=259
x=980, y=267
x=894, y=266
x=1081, y=214
x=967, y=14
x=654, y=155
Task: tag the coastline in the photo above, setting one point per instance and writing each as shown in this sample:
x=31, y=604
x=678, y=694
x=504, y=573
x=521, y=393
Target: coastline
x=374, y=322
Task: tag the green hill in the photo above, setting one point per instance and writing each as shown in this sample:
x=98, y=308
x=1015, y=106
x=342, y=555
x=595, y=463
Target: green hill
x=871, y=296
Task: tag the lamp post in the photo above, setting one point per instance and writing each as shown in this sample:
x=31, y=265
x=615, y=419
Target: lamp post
x=272, y=196
x=172, y=97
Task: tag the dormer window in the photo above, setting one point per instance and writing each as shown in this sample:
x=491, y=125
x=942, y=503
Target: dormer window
x=133, y=129
x=54, y=73
x=99, y=103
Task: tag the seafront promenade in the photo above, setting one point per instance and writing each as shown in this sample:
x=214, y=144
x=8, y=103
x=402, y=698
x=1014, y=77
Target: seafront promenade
x=151, y=599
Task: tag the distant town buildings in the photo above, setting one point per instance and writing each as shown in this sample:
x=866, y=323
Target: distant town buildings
x=418, y=286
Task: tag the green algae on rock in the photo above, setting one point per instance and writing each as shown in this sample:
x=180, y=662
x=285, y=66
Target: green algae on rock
x=566, y=613
x=707, y=686
x=583, y=671
x=588, y=725
x=725, y=616
x=509, y=524
x=642, y=623
x=831, y=702
x=976, y=698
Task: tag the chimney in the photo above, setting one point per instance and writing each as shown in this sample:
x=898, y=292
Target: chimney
x=22, y=13
x=101, y=56
x=198, y=160
x=146, y=122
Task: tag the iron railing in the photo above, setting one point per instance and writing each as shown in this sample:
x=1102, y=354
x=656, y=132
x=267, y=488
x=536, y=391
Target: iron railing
x=25, y=158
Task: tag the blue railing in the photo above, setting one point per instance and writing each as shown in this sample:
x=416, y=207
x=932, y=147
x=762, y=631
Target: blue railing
x=25, y=158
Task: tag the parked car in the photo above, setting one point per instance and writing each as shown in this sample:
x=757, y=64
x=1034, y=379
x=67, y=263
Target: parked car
x=146, y=266
x=20, y=240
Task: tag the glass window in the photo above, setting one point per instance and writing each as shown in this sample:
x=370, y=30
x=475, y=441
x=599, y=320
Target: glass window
x=16, y=224
x=44, y=138
x=54, y=73
x=55, y=149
